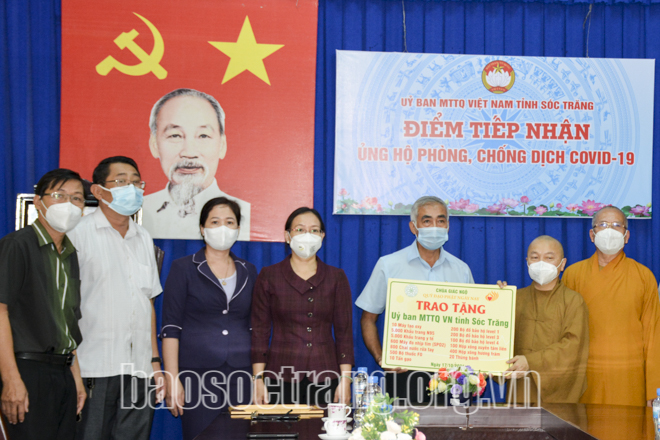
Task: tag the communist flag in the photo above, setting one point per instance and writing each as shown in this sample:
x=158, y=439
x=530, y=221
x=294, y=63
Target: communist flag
x=257, y=58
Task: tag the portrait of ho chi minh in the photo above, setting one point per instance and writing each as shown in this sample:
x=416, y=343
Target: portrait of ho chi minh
x=188, y=137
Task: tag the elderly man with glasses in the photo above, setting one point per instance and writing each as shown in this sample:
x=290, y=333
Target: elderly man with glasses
x=42, y=390
x=119, y=280
x=425, y=260
x=624, y=332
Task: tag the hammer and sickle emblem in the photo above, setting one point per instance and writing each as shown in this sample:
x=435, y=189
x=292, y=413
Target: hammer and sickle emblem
x=149, y=62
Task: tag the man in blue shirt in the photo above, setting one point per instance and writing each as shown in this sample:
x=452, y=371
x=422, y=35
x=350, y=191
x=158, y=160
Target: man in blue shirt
x=423, y=260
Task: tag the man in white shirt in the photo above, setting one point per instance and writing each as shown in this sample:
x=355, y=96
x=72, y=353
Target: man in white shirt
x=188, y=137
x=424, y=260
x=119, y=279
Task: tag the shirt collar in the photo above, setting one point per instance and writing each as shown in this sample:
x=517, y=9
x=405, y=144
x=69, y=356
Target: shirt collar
x=42, y=234
x=612, y=265
x=303, y=286
x=548, y=293
x=45, y=239
x=101, y=221
x=199, y=259
x=413, y=253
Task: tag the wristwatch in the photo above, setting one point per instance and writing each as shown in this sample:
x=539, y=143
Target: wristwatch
x=258, y=376
x=156, y=359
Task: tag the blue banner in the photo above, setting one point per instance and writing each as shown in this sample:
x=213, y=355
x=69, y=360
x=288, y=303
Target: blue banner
x=493, y=135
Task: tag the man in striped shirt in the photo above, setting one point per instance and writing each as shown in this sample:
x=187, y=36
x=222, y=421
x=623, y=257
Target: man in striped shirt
x=42, y=390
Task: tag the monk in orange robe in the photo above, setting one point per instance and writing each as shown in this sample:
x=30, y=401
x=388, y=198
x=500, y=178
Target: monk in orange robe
x=552, y=332
x=624, y=314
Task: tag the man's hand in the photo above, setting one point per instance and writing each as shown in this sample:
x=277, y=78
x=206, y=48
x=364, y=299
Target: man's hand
x=15, y=401
x=81, y=395
x=501, y=284
x=14, y=398
x=396, y=370
x=159, y=381
x=649, y=403
x=519, y=365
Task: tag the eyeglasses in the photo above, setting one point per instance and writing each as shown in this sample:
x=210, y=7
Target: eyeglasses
x=429, y=223
x=298, y=231
x=123, y=182
x=613, y=225
x=59, y=197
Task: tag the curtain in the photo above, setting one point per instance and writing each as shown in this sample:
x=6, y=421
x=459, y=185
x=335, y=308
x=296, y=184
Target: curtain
x=494, y=248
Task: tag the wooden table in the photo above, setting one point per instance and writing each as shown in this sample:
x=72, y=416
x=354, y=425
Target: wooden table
x=553, y=421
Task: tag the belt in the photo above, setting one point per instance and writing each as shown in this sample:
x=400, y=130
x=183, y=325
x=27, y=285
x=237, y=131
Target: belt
x=55, y=359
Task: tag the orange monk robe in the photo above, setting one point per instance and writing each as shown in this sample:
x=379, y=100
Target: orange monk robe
x=624, y=332
x=552, y=332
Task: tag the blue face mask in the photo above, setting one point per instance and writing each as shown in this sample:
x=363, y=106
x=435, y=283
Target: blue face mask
x=126, y=200
x=432, y=238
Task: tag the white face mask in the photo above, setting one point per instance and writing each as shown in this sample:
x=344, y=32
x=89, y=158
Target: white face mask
x=62, y=216
x=609, y=241
x=432, y=238
x=221, y=238
x=306, y=245
x=543, y=272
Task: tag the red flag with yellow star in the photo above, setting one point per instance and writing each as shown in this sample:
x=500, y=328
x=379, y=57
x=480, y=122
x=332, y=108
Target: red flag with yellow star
x=210, y=98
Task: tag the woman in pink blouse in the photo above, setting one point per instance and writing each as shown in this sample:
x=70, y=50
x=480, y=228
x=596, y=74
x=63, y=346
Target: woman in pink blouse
x=300, y=302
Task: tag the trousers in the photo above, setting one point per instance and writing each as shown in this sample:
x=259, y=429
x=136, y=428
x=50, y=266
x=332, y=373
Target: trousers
x=117, y=408
x=52, y=402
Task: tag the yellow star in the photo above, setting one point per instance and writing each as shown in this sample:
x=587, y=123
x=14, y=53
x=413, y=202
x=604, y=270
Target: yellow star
x=246, y=54
x=498, y=68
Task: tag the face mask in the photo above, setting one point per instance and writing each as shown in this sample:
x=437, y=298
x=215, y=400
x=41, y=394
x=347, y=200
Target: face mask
x=432, y=238
x=221, y=238
x=63, y=216
x=609, y=241
x=543, y=272
x=126, y=200
x=306, y=245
